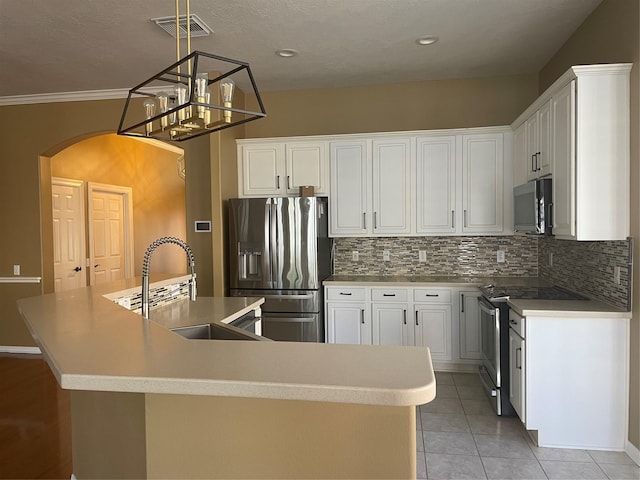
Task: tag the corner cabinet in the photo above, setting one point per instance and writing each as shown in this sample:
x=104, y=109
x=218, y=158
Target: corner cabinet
x=280, y=167
x=588, y=137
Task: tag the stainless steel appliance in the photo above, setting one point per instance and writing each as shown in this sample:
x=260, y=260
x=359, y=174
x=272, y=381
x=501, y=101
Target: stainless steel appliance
x=532, y=207
x=494, y=334
x=279, y=249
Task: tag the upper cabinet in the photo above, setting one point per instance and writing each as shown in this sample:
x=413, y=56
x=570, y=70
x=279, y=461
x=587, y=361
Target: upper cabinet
x=583, y=120
x=278, y=168
x=445, y=182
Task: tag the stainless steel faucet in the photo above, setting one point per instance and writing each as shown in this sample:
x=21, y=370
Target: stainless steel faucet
x=146, y=264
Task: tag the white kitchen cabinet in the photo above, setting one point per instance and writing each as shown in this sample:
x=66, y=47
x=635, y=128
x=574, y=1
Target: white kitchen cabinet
x=470, y=339
x=521, y=160
x=348, y=323
x=350, y=187
x=482, y=183
x=517, y=358
x=261, y=169
x=573, y=398
x=589, y=162
x=436, y=185
x=563, y=184
x=433, y=330
x=538, y=153
x=392, y=186
x=279, y=168
x=390, y=311
x=307, y=165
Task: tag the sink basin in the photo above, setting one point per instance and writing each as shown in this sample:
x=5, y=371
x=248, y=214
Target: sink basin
x=214, y=331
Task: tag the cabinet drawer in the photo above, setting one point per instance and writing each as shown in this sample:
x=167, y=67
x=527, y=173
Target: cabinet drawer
x=350, y=294
x=432, y=295
x=389, y=294
x=516, y=322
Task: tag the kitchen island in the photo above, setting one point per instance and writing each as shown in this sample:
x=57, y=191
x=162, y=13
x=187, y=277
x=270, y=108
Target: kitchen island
x=148, y=403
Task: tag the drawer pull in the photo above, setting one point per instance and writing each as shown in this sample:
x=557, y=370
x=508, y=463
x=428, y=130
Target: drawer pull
x=432, y=294
x=345, y=293
x=388, y=294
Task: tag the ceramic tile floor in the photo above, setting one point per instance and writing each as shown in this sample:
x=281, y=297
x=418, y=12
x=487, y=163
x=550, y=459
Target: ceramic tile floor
x=459, y=437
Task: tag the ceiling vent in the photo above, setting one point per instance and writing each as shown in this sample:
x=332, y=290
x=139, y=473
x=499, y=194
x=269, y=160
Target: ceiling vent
x=198, y=27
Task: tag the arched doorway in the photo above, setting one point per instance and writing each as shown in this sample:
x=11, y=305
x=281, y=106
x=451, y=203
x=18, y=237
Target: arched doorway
x=147, y=168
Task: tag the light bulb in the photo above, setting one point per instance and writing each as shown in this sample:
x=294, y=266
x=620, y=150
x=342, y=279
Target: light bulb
x=202, y=91
x=163, y=103
x=226, y=91
x=149, y=106
x=181, y=99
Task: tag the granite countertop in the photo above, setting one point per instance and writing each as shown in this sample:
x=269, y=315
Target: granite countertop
x=91, y=343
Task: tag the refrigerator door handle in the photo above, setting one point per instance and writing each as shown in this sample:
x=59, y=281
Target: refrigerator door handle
x=273, y=242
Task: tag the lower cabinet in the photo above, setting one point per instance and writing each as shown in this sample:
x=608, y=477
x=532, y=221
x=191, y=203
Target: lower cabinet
x=516, y=373
x=444, y=319
x=348, y=323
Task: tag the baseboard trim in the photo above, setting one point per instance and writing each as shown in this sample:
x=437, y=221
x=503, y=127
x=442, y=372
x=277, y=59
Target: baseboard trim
x=20, y=350
x=633, y=452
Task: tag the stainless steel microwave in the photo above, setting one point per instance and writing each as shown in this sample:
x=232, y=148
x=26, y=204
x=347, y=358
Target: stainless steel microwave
x=532, y=207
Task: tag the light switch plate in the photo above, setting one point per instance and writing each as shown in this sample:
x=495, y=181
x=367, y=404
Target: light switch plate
x=500, y=256
x=355, y=256
x=422, y=256
x=16, y=269
x=386, y=255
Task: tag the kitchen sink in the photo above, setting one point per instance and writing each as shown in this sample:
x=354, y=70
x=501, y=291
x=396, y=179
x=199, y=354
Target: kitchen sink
x=214, y=331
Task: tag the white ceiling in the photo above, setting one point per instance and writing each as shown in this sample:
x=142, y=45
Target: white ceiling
x=51, y=46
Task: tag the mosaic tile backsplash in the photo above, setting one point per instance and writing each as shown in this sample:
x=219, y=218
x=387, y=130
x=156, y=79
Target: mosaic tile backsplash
x=455, y=256
x=588, y=268
x=158, y=296
x=584, y=267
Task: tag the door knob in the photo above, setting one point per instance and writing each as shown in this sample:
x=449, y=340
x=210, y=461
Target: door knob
x=77, y=269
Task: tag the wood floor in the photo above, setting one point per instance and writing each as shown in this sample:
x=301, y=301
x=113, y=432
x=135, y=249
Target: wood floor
x=35, y=420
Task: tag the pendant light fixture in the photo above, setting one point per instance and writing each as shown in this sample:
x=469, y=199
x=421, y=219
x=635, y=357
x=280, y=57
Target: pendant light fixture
x=192, y=97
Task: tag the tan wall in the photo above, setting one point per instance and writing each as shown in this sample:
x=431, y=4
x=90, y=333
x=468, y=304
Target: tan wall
x=611, y=34
x=475, y=102
x=158, y=192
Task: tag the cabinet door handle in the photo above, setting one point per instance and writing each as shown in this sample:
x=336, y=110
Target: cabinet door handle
x=388, y=294
x=375, y=219
x=364, y=220
x=464, y=217
x=288, y=185
x=362, y=316
x=277, y=182
x=345, y=293
x=417, y=324
x=533, y=162
x=453, y=219
x=519, y=367
x=538, y=161
x=462, y=302
x=404, y=316
x=549, y=219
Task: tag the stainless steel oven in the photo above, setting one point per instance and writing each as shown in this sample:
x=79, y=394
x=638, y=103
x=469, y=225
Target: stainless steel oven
x=494, y=370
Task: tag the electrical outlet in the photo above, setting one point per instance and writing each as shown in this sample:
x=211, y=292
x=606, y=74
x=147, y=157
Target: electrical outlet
x=16, y=269
x=551, y=259
x=616, y=275
x=386, y=256
x=422, y=256
x=355, y=256
x=500, y=256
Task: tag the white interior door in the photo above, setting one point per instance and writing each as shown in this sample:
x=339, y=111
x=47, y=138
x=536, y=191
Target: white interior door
x=110, y=233
x=68, y=234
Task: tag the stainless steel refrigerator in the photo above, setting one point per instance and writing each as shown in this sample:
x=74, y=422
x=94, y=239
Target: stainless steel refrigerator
x=280, y=250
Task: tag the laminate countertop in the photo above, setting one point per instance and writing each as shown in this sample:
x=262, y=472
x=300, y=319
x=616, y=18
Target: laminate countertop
x=537, y=308
x=91, y=343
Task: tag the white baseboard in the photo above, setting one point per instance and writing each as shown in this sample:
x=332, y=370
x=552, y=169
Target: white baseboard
x=633, y=452
x=20, y=350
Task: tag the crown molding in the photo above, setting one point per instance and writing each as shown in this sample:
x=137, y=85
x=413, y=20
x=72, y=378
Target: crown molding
x=60, y=97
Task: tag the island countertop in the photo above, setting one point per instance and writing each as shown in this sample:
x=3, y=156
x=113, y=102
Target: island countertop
x=91, y=343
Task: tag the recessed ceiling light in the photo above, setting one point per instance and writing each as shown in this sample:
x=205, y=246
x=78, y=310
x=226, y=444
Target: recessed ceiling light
x=286, y=52
x=427, y=40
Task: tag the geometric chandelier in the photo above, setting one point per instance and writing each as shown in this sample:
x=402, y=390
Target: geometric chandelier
x=190, y=98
